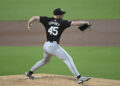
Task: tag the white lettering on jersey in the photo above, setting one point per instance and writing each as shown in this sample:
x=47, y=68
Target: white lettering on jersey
x=54, y=23
x=53, y=30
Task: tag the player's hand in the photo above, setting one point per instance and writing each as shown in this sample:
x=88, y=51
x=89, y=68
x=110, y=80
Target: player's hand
x=88, y=23
x=29, y=26
x=85, y=26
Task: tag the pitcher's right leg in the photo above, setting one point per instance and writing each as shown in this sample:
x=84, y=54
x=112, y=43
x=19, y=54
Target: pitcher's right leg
x=40, y=63
x=45, y=60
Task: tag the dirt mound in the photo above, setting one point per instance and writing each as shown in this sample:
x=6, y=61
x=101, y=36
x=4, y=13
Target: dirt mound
x=53, y=80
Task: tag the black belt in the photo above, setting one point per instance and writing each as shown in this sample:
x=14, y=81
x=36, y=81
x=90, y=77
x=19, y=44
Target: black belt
x=52, y=41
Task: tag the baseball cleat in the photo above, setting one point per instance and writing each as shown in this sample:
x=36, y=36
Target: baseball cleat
x=29, y=75
x=83, y=79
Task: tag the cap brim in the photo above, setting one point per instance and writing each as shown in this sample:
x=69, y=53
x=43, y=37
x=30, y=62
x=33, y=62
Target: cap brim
x=63, y=12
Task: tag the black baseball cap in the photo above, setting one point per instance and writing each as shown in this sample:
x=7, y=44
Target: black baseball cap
x=58, y=11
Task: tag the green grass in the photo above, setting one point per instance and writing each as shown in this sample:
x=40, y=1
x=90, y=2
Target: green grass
x=102, y=62
x=76, y=9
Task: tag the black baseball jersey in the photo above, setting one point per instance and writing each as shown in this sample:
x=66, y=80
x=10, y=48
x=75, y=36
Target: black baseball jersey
x=54, y=27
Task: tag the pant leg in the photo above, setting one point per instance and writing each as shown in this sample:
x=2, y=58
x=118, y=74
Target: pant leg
x=63, y=55
x=45, y=60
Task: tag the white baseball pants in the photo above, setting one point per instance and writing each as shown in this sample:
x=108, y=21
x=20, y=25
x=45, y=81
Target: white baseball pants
x=54, y=49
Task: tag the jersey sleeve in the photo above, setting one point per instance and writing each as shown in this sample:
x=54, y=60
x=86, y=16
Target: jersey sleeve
x=43, y=19
x=67, y=23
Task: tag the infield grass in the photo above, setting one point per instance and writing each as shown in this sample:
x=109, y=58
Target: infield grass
x=102, y=62
x=76, y=9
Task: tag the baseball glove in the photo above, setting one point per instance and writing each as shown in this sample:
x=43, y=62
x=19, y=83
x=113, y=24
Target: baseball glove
x=84, y=27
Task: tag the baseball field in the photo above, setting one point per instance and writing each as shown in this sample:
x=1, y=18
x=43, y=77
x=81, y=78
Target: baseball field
x=96, y=52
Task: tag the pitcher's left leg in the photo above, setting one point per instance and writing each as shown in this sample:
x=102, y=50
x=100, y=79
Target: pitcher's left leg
x=63, y=55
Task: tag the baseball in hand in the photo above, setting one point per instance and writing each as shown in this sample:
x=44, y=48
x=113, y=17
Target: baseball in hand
x=29, y=26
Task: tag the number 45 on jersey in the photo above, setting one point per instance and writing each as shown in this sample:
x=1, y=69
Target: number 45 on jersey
x=53, y=30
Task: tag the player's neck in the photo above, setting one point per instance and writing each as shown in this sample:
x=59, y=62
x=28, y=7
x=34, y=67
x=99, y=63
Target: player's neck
x=57, y=17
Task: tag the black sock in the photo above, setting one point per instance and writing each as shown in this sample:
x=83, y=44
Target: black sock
x=30, y=72
x=78, y=76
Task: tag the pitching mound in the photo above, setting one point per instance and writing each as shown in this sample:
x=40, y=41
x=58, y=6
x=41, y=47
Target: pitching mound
x=53, y=80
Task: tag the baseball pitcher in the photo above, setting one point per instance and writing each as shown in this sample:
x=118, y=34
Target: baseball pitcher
x=54, y=27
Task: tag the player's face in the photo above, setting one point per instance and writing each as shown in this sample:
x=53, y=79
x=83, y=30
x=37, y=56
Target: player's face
x=61, y=16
